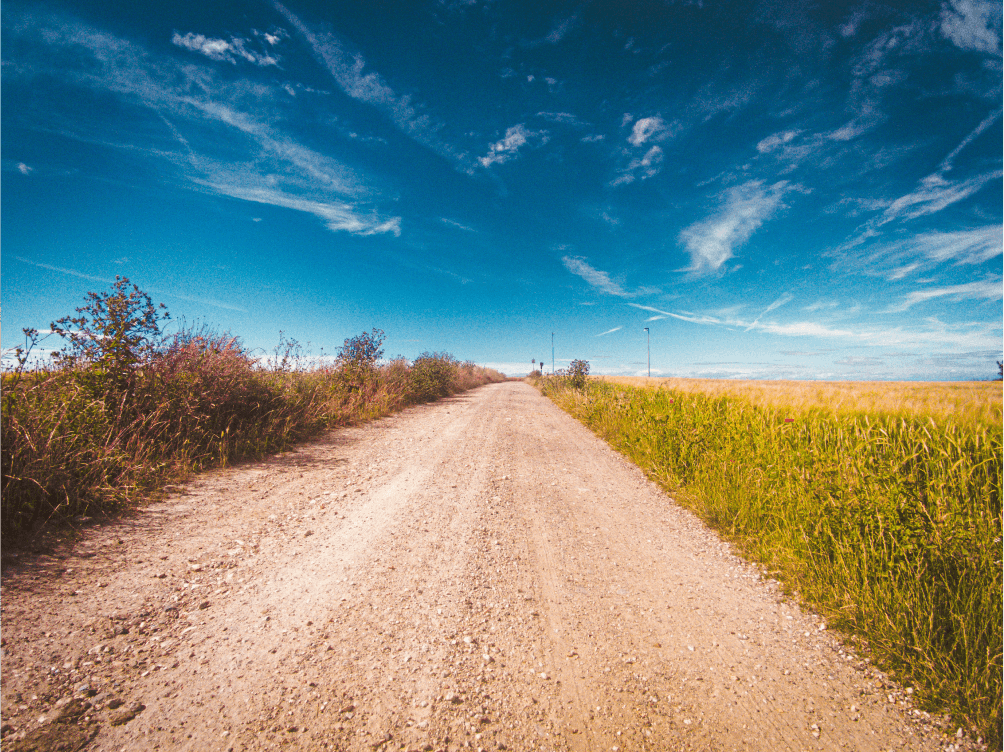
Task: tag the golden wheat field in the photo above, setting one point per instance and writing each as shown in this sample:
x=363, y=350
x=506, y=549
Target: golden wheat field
x=977, y=401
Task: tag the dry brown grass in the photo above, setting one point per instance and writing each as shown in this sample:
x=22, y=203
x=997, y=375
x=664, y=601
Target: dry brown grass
x=964, y=401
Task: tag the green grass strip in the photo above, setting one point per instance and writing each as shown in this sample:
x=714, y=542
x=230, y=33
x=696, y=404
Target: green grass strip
x=889, y=525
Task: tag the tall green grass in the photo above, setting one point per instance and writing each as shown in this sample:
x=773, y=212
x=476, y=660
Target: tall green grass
x=889, y=524
x=78, y=439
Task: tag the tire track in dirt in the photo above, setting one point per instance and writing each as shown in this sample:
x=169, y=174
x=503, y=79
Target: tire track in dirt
x=478, y=573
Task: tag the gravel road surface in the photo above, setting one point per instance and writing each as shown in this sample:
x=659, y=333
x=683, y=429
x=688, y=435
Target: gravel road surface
x=478, y=573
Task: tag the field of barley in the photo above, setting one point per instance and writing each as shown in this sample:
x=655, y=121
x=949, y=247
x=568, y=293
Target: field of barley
x=964, y=401
x=878, y=504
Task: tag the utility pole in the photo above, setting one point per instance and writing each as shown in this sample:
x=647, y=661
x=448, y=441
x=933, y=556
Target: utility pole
x=552, y=353
x=648, y=338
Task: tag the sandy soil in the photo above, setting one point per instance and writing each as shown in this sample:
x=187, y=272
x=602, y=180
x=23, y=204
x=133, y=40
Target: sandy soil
x=478, y=573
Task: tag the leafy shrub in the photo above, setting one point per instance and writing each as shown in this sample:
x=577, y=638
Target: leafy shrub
x=114, y=331
x=357, y=358
x=578, y=370
x=432, y=376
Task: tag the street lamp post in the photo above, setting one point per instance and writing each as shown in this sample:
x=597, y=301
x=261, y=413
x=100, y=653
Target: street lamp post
x=648, y=341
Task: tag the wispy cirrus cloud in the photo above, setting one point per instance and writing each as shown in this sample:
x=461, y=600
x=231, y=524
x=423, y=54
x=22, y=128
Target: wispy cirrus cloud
x=337, y=216
x=925, y=333
x=932, y=194
x=821, y=305
x=783, y=300
x=897, y=259
x=458, y=225
x=988, y=289
x=776, y=140
x=561, y=28
x=562, y=118
x=610, y=331
x=348, y=68
x=744, y=208
x=109, y=280
x=223, y=50
x=507, y=148
x=650, y=308
x=199, y=111
x=989, y=120
x=598, y=279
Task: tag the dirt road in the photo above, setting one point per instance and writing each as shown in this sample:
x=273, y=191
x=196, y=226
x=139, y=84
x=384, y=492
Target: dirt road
x=482, y=572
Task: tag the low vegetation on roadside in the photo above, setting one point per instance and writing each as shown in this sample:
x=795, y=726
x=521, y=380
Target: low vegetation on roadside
x=888, y=522
x=124, y=409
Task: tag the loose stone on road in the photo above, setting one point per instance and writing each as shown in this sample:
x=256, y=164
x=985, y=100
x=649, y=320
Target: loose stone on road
x=482, y=572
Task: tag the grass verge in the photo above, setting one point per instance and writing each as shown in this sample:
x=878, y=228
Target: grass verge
x=80, y=437
x=887, y=523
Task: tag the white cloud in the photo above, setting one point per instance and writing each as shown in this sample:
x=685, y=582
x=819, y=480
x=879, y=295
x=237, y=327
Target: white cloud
x=712, y=241
x=783, y=300
x=989, y=120
x=273, y=37
x=921, y=335
x=899, y=258
x=561, y=29
x=610, y=331
x=507, y=147
x=650, y=308
x=972, y=25
x=24, y=169
x=965, y=246
x=600, y=279
x=199, y=110
x=564, y=118
x=934, y=194
x=850, y=27
x=459, y=226
x=644, y=132
x=106, y=280
x=821, y=305
x=772, y=142
x=641, y=167
x=649, y=129
x=224, y=51
x=337, y=216
x=988, y=289
x=349, y=72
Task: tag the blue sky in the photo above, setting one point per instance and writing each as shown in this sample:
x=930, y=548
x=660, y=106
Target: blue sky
x=777, y=190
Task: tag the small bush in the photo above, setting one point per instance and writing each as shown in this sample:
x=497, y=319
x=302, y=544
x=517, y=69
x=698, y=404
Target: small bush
x=432, y=376
x=578, y=370
x=357, y=358
x=114, y=331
